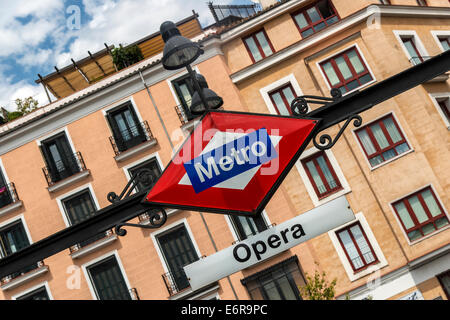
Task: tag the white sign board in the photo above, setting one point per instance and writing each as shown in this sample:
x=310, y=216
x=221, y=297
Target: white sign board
x=269, y=243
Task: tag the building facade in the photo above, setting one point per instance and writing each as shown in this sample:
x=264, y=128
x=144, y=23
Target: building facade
x=59, y=162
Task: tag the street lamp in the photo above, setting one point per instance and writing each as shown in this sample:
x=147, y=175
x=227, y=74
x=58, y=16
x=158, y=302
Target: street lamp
x=180, y=52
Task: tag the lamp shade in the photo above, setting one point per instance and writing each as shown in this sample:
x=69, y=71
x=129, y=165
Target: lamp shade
x=211, y=98
x=178, y=51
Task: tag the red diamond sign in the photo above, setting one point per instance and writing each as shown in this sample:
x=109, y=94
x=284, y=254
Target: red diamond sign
x=232, y=163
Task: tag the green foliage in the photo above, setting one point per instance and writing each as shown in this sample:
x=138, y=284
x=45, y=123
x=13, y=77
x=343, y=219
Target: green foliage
x=14, y=115
x=126, y=56
x=26, y=105
x=317, y=287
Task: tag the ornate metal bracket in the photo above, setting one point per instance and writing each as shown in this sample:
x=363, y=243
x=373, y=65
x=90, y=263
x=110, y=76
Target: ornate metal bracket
x=299, y=105
x=156, y=216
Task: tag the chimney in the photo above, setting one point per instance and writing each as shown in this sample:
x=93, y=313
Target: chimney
x=267, y=3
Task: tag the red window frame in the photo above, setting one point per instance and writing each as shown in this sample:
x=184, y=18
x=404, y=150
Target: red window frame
x=329, y=190
x=258, y=45
x=379, y=151
x=280, y=91
x=417, y=225
x=313, y=24
x=442, y=104
x=411, y=39
x=356, y=76
x=366, y=265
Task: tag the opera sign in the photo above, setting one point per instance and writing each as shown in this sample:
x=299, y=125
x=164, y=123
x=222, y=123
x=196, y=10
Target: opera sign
x=269, y=243
x=232, y=163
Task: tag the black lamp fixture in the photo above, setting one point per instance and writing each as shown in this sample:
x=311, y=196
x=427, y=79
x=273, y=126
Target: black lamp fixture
x=180, y=52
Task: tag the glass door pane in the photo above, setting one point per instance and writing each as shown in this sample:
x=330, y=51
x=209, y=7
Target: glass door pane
x=108, y=281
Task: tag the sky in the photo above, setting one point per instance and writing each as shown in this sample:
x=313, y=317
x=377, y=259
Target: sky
x=37, y=35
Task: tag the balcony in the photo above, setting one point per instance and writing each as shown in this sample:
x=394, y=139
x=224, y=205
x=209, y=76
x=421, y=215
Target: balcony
x=176, y=282
x=25, y=275
x=440, y=78
x=65, y=172
x=132, y=141
x=9, y=200
x=92, y=244
x=186, y=118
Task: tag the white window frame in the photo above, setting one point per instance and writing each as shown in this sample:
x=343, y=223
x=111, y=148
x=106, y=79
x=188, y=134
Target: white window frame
x=38, y=286
x=15, y=219
x=308, y=184
x=154, y=155
x=382, y=262
x=392, y=159
x=232, y=228
x=289, y=79
x=391, y=204
x=355, y=45
x=154, y=235
x=89, y=281
x=434, y=98
x=117, y=104
x=3, y=171
x=60, y=199
x=440, y=33
x=54, y=133
x=172, y=89
x=417, y=42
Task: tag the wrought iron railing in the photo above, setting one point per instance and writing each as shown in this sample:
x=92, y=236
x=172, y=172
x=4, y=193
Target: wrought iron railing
x=252, y=234
x=8, y=195
x=21, y=272
x=89, y=241
x=184, y=114
x=131, y=137
x=176, y=281
x=134, y=294
x=68, y=166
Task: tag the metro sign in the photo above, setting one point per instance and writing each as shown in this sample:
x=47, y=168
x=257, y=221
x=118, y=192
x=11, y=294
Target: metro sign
x=232, y=163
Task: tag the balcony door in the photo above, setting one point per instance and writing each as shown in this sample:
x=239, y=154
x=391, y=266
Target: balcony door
x=184, y=90
x=178, y=251
x=126, y=128
x=59, y=157
x=5, y=196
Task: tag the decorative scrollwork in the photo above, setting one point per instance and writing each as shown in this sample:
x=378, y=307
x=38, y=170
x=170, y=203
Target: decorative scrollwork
x=143, y=177
x=156, y=218
x=299, y=105
x=325, y=140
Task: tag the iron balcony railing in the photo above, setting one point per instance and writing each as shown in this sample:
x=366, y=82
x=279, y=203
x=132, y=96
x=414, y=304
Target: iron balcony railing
x=176, y=281
x=184, y=114
x=68, y=166
x=131, y=137
x=134, y=294
x=8, y=195
x=21, y=272
x=89, y=241
x=250, y=234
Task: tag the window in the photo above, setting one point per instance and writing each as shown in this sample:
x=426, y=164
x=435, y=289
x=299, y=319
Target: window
x=321, y=174
x=5, y=194
x=184, y=89
x=382, y=140
x=445, y=42
x=315, y=18
x=38, y=294
x=78, y=208
x=108, y=280
x=357, y=247
x=282, y=99
x=420, y=214
x=258, y=46
x=444, y=105
x=248, y=226
x=61, y=161
x=151, y=165
x=444, y=279
x=127, y=131
x=178, y=251
x=346, y=71
x=279, y=282
x=410, y=45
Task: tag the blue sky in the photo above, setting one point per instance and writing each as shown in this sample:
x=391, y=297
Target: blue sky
x=36, y=35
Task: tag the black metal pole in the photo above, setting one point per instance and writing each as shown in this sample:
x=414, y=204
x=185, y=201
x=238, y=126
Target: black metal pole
x=192, y=75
